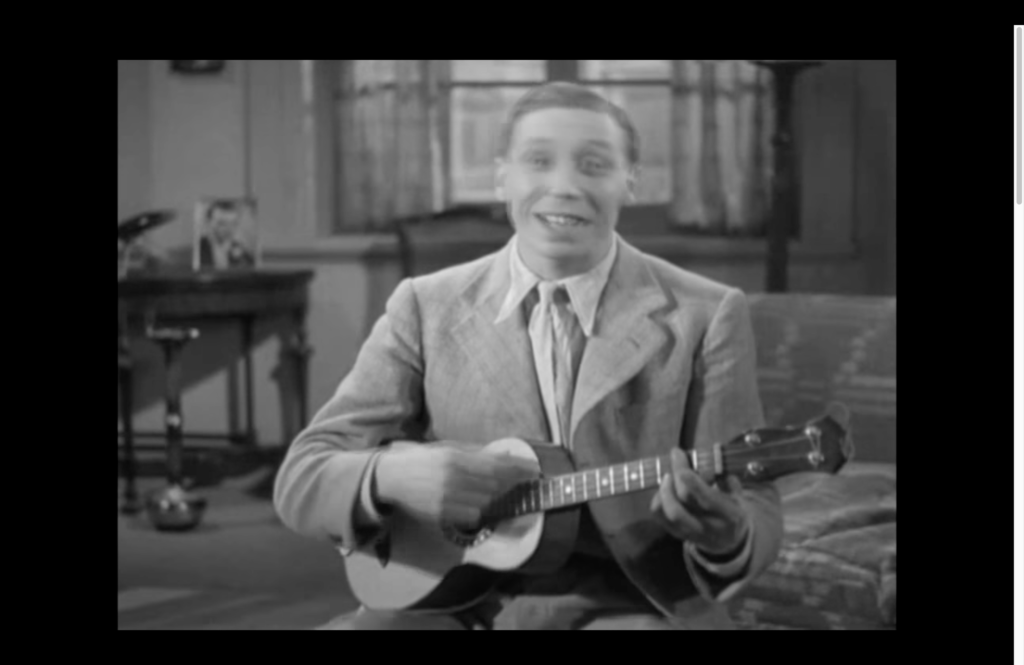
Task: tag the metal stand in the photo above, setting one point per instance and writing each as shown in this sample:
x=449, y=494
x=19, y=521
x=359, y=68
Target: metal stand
x=174, y=508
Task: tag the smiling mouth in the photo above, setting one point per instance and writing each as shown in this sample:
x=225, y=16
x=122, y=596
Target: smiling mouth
x=564, y=221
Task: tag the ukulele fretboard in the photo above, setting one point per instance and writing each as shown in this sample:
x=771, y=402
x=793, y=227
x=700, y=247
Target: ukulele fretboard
x=590, y=485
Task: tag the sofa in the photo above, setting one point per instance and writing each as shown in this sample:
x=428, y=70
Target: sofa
x=837, y=566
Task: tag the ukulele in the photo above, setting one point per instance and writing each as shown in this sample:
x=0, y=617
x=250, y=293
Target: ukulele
x=426, y=568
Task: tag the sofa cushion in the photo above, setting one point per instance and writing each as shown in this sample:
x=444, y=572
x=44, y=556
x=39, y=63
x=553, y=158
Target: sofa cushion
x=837, y=565
x=817, y=349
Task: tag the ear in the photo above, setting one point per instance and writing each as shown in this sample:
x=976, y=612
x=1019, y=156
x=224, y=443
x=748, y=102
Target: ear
x=632, y=178
x=500, y=171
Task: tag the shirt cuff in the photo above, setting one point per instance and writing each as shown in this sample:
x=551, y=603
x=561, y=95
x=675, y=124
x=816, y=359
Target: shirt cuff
x=366, y=493
x=729, y=569
x=368, y=526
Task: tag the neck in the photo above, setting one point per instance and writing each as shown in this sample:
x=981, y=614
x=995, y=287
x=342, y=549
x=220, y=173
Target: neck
x=553, y=269
x=583, y=486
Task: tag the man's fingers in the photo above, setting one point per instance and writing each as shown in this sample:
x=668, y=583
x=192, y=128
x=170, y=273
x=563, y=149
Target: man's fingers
x=691, y=489
x=484, y=484
x=495, y=474
x=681, y=474
x=680, y=519
x=464, y=513
x=523, y=468
x=679, y=460
x=704, y=495
x=511, y=472
x=505, y=465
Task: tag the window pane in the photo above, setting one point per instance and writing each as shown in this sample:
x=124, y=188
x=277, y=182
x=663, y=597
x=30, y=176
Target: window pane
x=476, y=117
x=649, y=107
x=619, y=70
x=373, y=72
x=498, y=70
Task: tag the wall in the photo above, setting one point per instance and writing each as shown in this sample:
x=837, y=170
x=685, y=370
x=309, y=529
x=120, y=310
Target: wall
x=133, y=137
x=875, y=171
x=181, y=139
x=248, y=131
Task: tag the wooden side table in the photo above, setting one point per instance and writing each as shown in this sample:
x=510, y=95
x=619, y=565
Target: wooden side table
x=145, y=301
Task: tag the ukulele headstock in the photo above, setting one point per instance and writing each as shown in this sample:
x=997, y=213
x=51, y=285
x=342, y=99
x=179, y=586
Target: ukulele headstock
x=822, y=445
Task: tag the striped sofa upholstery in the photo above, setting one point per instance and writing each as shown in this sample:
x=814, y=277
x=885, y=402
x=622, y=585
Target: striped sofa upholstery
x=837, y=566
x=816, y=349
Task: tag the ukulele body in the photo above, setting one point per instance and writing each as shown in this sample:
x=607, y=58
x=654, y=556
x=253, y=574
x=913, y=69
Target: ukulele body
x=423, y=567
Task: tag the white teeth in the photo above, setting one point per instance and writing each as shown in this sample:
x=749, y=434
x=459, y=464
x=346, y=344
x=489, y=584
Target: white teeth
x=559, y=219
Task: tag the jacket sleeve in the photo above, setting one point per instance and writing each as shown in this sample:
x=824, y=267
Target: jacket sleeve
x=723, y=402
x=381, y=399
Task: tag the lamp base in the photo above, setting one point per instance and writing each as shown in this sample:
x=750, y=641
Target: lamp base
x=173, y=508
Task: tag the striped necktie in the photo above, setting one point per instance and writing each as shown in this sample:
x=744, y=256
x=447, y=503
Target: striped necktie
x=567, y=341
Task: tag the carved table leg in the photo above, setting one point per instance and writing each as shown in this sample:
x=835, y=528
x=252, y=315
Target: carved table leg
x=131, y=504
x=250, y=418
x=300, y=350
x=174, y=508
x=175, y=439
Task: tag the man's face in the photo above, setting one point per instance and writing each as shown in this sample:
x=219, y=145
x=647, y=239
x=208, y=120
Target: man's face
x=222, y=224
x=564, y=179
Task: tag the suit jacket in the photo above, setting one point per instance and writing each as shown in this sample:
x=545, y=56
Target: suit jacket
x=671, y=363
x=237, y=256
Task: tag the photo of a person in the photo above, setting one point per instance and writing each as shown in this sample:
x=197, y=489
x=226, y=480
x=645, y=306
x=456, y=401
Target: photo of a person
x=225, y=235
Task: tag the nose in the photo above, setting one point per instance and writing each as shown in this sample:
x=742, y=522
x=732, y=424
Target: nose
x=562, y=183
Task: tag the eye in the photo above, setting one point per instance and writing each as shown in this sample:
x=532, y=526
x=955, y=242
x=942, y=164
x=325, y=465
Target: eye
x=537, y=160
x=594, y=165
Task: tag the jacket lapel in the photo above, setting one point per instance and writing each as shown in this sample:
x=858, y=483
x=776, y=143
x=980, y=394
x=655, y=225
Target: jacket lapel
x=501, y=353
x=625, y=335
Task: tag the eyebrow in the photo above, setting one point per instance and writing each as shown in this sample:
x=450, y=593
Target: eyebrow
x=590, y=143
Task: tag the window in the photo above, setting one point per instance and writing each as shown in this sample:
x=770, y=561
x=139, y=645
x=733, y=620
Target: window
x=482, y=92
x=415, y=137
x=643, y=89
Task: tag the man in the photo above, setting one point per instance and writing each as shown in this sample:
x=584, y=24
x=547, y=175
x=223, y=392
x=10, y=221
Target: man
x=634, y=357
x=221, y=246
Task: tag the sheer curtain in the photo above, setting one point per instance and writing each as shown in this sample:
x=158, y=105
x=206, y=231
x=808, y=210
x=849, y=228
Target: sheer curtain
x=389, y=133
x=722, y=120
x=394, y=143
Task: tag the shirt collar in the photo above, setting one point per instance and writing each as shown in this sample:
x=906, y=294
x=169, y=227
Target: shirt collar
x=584, y=290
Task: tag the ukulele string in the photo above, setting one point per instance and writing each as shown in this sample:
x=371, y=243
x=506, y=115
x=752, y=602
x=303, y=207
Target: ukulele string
x=702, y=455
x=524, y=492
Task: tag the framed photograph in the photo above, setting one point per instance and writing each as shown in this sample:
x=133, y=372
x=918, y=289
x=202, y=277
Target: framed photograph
x=226, y=235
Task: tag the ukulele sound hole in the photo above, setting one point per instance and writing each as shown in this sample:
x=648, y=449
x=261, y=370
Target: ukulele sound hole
x=467, y=537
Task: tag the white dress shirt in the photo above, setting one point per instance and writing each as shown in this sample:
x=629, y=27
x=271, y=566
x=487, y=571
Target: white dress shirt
x=584, y=296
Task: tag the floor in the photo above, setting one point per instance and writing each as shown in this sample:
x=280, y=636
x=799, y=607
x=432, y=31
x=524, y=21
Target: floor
x=241, y=569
